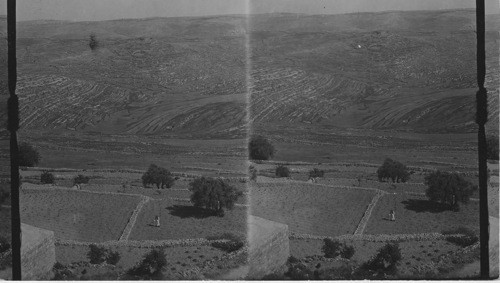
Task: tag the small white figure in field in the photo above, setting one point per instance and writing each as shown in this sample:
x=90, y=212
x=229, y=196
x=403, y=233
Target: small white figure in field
x=157, y=221
x=392, y=215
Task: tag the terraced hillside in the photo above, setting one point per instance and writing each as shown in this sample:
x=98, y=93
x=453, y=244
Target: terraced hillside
x=154, y=76
x=396, y=70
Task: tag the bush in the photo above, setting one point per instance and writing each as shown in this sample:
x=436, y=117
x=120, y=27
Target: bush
x=253, y=173
x=492, y=147
x=213, y=194
x=331, y=248
x=47, y=178
x=299, y=271
x=386, y=260
x=81, y=179
x=259, y=148
x=150, y=267
x=316, y=173
x=96, y=255
x=347, y=252
x=282, y=171
x=28, y=155
x=449, y=188
x=4, y=244
x=158, y=176
x=113, y=257
x=393, y=170
x=467, y=237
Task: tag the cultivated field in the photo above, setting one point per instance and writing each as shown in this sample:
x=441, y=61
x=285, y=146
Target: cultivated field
x=310, y=209
x=77, y=215
x=180, y=220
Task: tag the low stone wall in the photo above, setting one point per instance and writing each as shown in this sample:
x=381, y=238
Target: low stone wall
x=269, y=247
x=38, y=254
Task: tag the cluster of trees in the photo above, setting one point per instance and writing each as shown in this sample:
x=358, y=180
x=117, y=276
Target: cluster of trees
x=28, y=155
x=448, y=188
x=282, y=171
x=393, y=170
x=150, y=267
x=334, y=248
x=259, y=148
x=213, y=194
x=158, y=176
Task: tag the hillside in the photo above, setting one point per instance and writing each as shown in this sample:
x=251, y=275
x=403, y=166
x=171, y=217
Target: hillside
x=153, y=76
x=186, y=77
x=412, y=71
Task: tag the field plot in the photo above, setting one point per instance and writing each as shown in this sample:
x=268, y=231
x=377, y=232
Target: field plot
x=77, y=215
x=311, y=209
x=417, y=215
x=180, y=220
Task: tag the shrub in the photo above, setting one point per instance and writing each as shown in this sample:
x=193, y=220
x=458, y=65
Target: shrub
x=299, y=271
x=47, y=178
x=386, y=260
x=96, y=255
x=81, y=179
x=150, y=267
x=259, y=148
x=4, y=244
x=253, y=173
x=229, y=246
x=331, y=248
x=393, y=170
x=316, y=173
x=158, y=176
x=213, y=194
x=347, y=252
x=28, y=155
x=449, y=188
x=282, y=171
x=93, y=43
x=467, y=237
x=113, y=257
x=492, y=147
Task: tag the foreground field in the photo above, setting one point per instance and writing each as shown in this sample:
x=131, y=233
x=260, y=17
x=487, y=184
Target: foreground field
x=418, y=215
x=180, y=220
x=77, y=215
x=310, y=209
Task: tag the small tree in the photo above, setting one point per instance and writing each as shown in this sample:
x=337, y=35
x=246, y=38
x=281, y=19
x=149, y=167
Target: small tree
x=213, y=194
x=113, y=257
x=282, y=171
x=448, y=188
x=393, y=170
x=260, y=148
x=158, y=176
x=316, y=173
x=47, y=178
x=492, y=147
x=28, y=155
x=81, y=179
x=93, y=42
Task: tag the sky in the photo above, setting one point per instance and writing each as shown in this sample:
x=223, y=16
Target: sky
x=95, y=10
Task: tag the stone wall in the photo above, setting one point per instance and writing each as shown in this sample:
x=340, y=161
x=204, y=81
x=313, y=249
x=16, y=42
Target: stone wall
x=269, y=247
x=38, y=254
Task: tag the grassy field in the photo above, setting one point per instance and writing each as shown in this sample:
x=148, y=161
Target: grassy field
x=310, y=209
x=180, y=220
x=418, y=215
x=77, y=215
